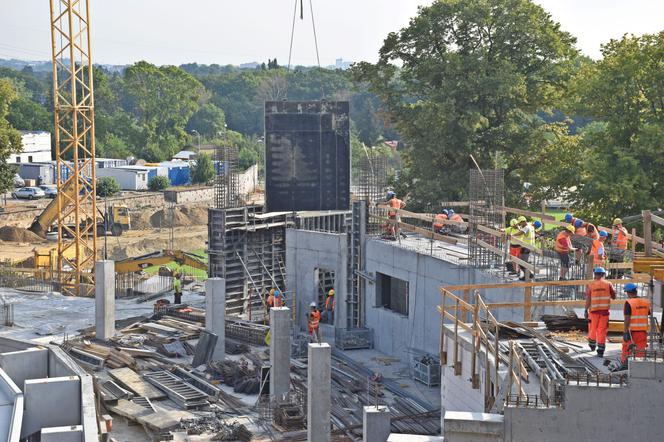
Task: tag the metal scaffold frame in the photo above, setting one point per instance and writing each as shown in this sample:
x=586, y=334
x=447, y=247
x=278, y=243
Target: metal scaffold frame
x=487, y=195
x=73, y=99
x=226, y=179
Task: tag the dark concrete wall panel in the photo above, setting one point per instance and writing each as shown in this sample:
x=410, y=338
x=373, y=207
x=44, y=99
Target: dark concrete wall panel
x=307, y=156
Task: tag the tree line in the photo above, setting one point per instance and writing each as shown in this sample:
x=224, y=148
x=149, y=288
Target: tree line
x=496, y=80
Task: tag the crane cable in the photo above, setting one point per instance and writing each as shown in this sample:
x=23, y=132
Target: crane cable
x=313, y=24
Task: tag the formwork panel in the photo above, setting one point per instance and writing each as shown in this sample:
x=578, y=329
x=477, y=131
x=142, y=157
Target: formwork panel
x=307, y=156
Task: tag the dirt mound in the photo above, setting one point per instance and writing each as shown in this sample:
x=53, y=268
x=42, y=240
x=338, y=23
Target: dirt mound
x=17, y=234
x=140, y=220
x=179, y=217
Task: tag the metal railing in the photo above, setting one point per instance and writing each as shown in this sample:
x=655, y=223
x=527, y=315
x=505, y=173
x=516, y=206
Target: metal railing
x=530, y=401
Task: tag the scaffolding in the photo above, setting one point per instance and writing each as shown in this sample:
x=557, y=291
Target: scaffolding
x=226, y=179
x=487, y=196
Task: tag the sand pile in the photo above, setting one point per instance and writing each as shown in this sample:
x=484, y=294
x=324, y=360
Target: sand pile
x=18, y=234
x=140, y=220
x=181, y=217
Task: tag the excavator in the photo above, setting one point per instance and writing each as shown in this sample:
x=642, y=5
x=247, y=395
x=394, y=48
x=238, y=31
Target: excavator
x=116, y=220
x=136, y=264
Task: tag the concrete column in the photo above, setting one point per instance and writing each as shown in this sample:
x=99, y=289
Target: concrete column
x=280, y=350
x=376, y=423
x=215, y=314
x=318, y=392
x=104, y=299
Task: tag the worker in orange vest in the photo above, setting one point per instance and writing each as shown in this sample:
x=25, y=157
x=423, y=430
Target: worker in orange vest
x=314, y=322
x=599, y=294
x=597, y=250
x=392, y=228
x=619, y=236
x=580, y=227
x=592, y=231
x=330, y=304
x=270, y=300
x=563, y=246
x=457, y=228
x=438, y=225
x=635, y=331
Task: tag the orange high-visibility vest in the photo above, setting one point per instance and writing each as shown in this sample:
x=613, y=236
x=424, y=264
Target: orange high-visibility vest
x=329, y=305
x=600, y=295
x=278, y=301
x=597, y=247
x=270, y=301
x=395, y=203
x=456, y=217
x=314, y=319
x=619, y=238
x=595, y=232
x=639, y=317
x=581, y=231
x=440, y=216
x=562, y=242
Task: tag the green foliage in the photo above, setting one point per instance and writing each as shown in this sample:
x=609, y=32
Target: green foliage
x=473, y=74
x=208, y=121
x=158, y=183
x=107, y=186
x=25, y=114
x=10, y=138
x=624, y=166
x=203, y=171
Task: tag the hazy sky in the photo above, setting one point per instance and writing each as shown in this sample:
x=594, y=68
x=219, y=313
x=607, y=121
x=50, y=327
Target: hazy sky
x=233, y=32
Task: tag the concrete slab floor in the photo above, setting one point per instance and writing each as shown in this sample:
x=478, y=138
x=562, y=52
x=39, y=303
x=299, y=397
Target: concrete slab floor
x=398, y=370
x=47, y=316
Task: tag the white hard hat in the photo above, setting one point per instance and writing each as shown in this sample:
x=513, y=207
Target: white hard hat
x=313, y=304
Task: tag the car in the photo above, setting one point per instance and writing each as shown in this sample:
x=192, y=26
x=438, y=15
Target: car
x=18, y=181
x=30, y=193
x=50, y=190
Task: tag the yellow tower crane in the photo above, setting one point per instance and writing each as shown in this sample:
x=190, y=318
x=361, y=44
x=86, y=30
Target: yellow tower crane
x=73, y=101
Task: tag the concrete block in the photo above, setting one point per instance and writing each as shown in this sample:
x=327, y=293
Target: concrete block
x=375, y=423
x=280, y=348
x=646, y=370
x=53, y=402
x=318, y=392
x=104, y=299
x=26, y=364
x=73, y=433
x=215, y=314
x=473, y=427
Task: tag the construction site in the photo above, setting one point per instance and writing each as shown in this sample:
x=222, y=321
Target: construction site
x=312, y=306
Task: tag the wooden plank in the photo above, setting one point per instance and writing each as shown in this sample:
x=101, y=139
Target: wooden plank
x=548, y=218
x=647, y=231
x=422, y=216
x=421, y=231
x=656, y=219
x=130, y=380
x=499, y=252
x=452, y=288
x=579, y=303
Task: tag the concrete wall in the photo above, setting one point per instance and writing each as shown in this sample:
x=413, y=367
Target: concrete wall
x=307, y=251
x=248, y=180
x=394, y=333
x=52, y=402
x=62, y=434
x=26, y=364
x=473, y=427
x=598, y=413
x=189, y=195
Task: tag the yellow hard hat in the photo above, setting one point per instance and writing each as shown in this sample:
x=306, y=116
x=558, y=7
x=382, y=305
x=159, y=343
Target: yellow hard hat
x=513, y=222
x=617, y=221
x=522, y=219
x=571, y=228
x=272, y=292
x=331, y=292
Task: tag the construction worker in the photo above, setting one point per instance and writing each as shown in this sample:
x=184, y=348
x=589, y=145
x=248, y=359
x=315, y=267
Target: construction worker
x=270, y=300
x=515, y=249
x=278, y=298
x=599, y=294
x=563, y=246
x=177, y=289
x=597, y=250
x=580, y=227
x=635, y=331
x=592, y=231
x=439, y=226
x=457, y=218
x=526, y=234
x=569, y=218
x=619, y=236
x=314, y=321
x=330, y=304
x=394, y=203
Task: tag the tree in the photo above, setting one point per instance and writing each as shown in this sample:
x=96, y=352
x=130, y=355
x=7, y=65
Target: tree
x=203, y=170
x=10, y=138
x=623, y=169
x=472, y=76
x=158, y=183
x=107, y=186
x=209, y=120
